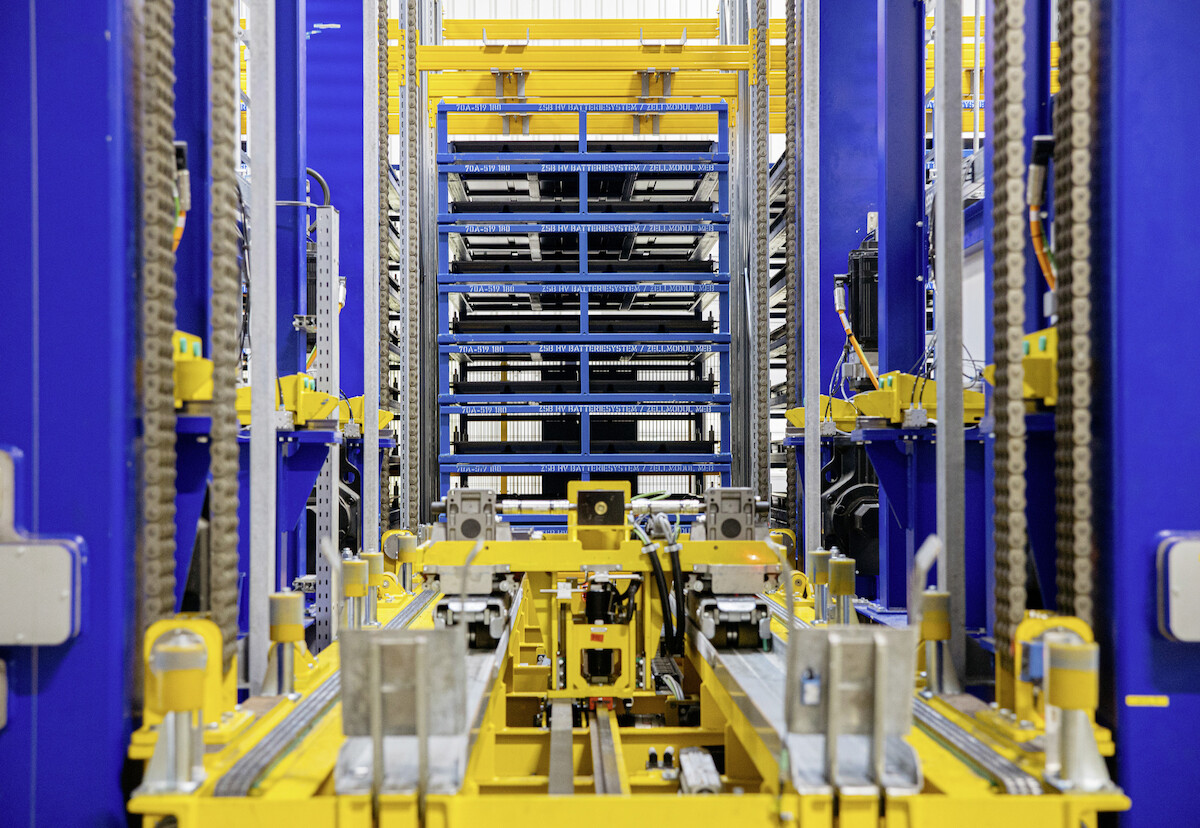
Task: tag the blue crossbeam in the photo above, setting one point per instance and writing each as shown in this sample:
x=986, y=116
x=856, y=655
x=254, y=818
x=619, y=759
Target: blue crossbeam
x=608, y=403
x=586, y=287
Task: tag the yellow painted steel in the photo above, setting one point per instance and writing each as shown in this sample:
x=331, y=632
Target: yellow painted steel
x=218, y=689
x=296, y=393
x=842, y=412
x=506, y=58
x=602, y=28
x=898, y=392
x=352, y=408
x=192, y=372
x=601, y=85
x=507, y=775
x=1040, y=361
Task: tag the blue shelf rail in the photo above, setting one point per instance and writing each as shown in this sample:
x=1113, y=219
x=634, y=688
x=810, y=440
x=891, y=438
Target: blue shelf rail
x=673, y=253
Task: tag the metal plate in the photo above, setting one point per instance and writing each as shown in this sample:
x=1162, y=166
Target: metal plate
x=1178, y=583
x=39, y=596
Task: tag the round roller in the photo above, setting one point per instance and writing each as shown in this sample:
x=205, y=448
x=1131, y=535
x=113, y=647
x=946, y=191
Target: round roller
x=287, y=617
x=820, y=565
x=355, y=577
x=374, y=568
x=841, y=576
x=178, y=660
x=1074, y=680
x=935, y=616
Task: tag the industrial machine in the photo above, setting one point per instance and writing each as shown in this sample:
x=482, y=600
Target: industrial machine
x=618, y=668
x=417, y=419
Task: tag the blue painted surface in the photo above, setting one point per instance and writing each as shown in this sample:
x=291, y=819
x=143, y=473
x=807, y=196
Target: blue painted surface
x=849, y=146
x=291, y=150
x=904, y=461
x=334, y=104
x=193, y=258
x=1146, y=446
x=191, y=485
x=900, y=82
x=57, y=354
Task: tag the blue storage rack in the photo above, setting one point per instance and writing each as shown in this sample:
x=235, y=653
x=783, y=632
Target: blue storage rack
x=606, y=334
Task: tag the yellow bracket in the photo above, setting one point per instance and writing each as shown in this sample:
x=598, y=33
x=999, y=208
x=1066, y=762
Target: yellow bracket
x=898, y=392
x=751, y=49
x=298, y=394
x=842, y=412
x=353, y=407
x=222, y=719
x=1040, y=361
x=192, y=373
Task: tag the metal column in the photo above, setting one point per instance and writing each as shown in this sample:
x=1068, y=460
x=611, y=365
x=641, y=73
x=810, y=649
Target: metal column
x=811, y=256
x=327, y=373
x=263, y=377
x=370, y=285
x=948, y=233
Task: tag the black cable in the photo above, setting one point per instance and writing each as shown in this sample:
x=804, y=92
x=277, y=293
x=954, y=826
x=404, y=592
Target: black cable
x=663, y=597
x=625, y=599
x=680, y=610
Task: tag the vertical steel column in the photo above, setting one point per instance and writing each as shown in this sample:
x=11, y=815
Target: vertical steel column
x=791, y=151
x=760, y=291
x=327, y=373
x=735, y=30
x=811, y=360
x=427, y=241
x=369, y=503
x=948, y=231
x=263, y=378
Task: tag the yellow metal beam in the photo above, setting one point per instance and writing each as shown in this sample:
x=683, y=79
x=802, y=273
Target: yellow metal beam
x=697, y=28
x=552, y=84
x=475, y=123
x=576, y=58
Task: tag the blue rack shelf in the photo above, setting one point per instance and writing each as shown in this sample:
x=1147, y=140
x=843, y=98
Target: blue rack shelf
x=574, y=306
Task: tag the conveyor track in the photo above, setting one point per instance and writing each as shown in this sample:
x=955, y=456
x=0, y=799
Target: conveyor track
x=1004, y=772
x=248, y=770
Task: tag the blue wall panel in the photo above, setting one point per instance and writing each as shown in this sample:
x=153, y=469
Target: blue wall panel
x=68, y=313
x=335, y=124
x=1147, y=448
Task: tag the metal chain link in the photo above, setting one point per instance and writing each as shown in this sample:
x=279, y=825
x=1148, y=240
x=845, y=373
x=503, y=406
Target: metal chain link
x=385, y=338
x=226, y=304
x=1073, y=125
x=761, y=407
x=412, y=271
x=157, y=547
x=1008, y=315
x=792, y=241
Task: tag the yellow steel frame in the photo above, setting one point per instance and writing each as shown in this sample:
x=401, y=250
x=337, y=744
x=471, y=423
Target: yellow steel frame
x=507, y=776
x=701, y=69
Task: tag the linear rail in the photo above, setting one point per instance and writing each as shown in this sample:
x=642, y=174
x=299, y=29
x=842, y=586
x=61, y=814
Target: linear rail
x=1000, y=770
x=249, y=769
